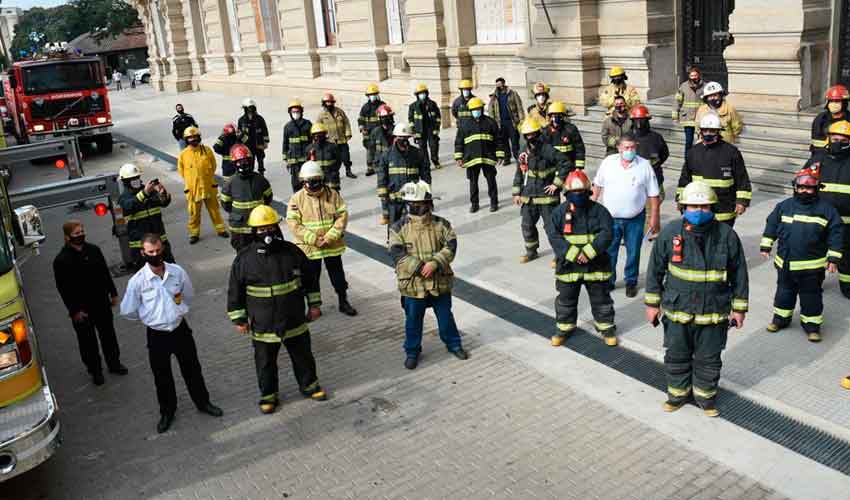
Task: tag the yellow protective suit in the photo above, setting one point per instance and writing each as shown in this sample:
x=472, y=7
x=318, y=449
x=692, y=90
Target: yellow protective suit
x=196, y=166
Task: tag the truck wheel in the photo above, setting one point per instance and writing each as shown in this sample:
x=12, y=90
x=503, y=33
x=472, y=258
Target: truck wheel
x=104, y=143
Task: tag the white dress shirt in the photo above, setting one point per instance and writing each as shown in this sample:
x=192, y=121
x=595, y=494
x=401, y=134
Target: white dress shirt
x=160, y=303
x=626, y=189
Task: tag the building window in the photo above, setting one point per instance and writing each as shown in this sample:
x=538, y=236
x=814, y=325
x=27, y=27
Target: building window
x=265, y=18
x=233, y=21
x=324, y=13
x=396, y=22
x=500, y=21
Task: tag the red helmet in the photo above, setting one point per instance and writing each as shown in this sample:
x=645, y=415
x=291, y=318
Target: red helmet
x=328, y=97
x=384, y=111
x=809, y=177
x=837, y=93
x=229, y=129
x=640, y=111
x=239, y=152
x=577, y=181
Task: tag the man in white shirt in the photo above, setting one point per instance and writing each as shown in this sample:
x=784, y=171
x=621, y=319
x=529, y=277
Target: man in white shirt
x=159, y=295
x=625, y=182
x=116, y=77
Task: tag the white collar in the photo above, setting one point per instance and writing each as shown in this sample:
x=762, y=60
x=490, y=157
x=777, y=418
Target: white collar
x=150, y=275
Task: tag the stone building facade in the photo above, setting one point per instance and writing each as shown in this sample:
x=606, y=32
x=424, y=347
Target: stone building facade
x=777, y=55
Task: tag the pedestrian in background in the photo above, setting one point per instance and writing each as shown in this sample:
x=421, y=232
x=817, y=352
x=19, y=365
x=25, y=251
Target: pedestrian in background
x=179, y=123
x=338, y=126
x=688, y=101
x=505, y=107
x=116, y=78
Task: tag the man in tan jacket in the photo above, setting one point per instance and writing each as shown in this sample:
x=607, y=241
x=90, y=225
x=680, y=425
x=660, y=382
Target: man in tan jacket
x=339, y=130
x=715, y=102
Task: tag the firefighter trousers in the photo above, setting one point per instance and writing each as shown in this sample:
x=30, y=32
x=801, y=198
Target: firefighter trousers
x=601, y=305
x=179, y=343
x=303, y=366
x=472, y=173
x=371, y=154
x=99, y=319
x=530, y=213
x=336, y=273
x=692, y=359
x=344, y=154
x=844, y=264
x=294, y=170
x=195, y=208
x=806, y=284
x=430, y=143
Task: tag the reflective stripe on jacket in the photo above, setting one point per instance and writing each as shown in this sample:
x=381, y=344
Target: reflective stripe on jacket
x=807, y=235
x=397, y=168
x=242, y=194
x=479, y=142
x=415, y=241
x=721, y=166
x=591, y=233
x=296, y=139
x=322, y=216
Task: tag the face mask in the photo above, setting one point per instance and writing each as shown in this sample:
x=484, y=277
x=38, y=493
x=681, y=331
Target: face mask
x=709, y=138
x=620, y=110
x=421, y=97
x=373, y=98
x=272, y=240
x=466, y=93
x=179, y=111
x=618, y=81
x=806, y=198
x=153, y=260
x=244, y=168
x=194, y=142
x=839, y=148
x=715, y=102
x=387, y=122
x=320, y=138
x=557, y=120
x=577, y=198
x=296, y=115
x=77, y=240
x=314, y=184
x=136, y=183
x=695, y=83
x=642, y=125
x=628, y=155
x=418, y=209
x=533, y=140
x=541, y=99
x=252, y=110
x=835, y=107
x=698, y=217
x=329, y=107
x=476, y=113
x=500, y=89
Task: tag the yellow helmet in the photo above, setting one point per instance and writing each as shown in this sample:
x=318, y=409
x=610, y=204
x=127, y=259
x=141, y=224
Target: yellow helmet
x=295, y=103
x=465, y=85
x=616, y=71
x=529, y=127
x=840, y=128
x=474, y=103
x=372, y=88
x=556, y=107
x=698, y=193
x=318, y=128
x=263, y=215
x=190, y=131
x=421, y=88
x=541, y=88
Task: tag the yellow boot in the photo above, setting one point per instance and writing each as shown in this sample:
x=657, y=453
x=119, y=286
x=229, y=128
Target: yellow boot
x=553, y=264
x=845, y=382
x=383, y=220
x=611, y=341
x=558, y=340
x=528, y=257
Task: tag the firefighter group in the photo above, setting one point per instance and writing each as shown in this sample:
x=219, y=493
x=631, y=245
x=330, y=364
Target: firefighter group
x=696, y=282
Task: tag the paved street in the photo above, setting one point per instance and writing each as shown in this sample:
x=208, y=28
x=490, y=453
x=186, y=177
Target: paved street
x=517, y=420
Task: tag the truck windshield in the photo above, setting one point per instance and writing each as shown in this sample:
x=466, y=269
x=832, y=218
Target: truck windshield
x=62, y=77
x=5, y=254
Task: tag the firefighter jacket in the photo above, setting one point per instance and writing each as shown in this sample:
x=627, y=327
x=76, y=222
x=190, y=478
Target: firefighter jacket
x=254, y=132
x=652, y=146
x=425, y=117
x=612, y=128
x=607, y=95
x=479, y=143
x=566, y=139
x=700, y=279
x=197, y=168
x=143, y=213
x=312, y=217
x=729, y=119
x=721, y=166
x=586, y=230
x=368, y=119
x=296, y=139
x=835, y=182
x=459, y=110
x=266, y=291
x=381, y=139
x=222, y=147
x=337, y=123
x=688, y=101
x=180, y=123
x=494, y=110
x=807, y=235
x=416, y=240
x=821, y=124
x=537, y=113
x=326, y=154
x=242, y=194
x=545, y=166
x=397, y=168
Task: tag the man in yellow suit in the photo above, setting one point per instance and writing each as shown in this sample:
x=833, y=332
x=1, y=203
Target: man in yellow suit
x=196, y=166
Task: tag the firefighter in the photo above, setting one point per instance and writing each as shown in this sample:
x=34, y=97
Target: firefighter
x=266, y=298
x=808, y=235
x=715, y=101
x=424, y=114
x=423, y=246
x=381, y=140
x=339, y=130
x=835, y=110
x=326, y=154
x=368, y=121
x=698, y=274
x=460, y=108
x=563, y=135
x=538, y=110
x=296, y=139
x=255, y=133
x=720, y=165
x=580, y=234
x=223, y=145
x=179, y=123
x=142, y=204
x=196, y=165
x=618, y=87
x=688, y=100
x=317, y=217
x=537, y=183
x=479, y=147
x=241, y=194
x=403, y=163
x=650, y=144
x=615, y=124
x=834, y=168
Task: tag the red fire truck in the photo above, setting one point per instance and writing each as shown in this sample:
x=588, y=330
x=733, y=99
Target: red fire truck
x=59, y=95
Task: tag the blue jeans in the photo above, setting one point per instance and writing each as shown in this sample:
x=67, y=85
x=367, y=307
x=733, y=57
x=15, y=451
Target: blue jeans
x=630, y=230
x=414, y=310
x=689, y=139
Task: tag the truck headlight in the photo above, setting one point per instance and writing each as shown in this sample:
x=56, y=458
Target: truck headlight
x=101, y=119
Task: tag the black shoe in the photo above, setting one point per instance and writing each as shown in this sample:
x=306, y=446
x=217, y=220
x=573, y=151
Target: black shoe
x=165, y=422
x=193, y=239
x=224, y=234
x=411, y=363
x=460, y=354
x=494, y=208
x=119, y=369
x=211, y=409
x=345, y=307
x=369, y=172
x=631, y=290
x=97, y=379
x=473, y=209
x=350, y=174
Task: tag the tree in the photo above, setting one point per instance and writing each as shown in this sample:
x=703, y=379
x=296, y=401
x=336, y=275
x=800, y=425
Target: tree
x=104, y=18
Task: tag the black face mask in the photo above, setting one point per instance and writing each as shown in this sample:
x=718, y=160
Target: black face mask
x=387, y=122
x=641, y=125
x=180, y=111
x=77, y=240
x=618, y=80
x=806, y=198
x=272, y=240
x=314, y=184
x=715, y=102
x=245, y=168
x=533, y=140
x=194, y=141
x=320, y=138
x=695, y=83
x=557, y=120
x=402, y=144
x=418, y=209
x=838, y=148
x=153, y=260
x=329, y=107
x=620, y=110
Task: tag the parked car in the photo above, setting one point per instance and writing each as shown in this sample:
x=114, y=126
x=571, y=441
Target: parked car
x=142, y=75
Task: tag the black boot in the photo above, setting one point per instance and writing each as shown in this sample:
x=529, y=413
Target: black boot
x=345, y=307
x=349, y=173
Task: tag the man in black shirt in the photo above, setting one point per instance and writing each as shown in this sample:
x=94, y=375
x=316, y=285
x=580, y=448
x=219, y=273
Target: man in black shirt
x=179, y=123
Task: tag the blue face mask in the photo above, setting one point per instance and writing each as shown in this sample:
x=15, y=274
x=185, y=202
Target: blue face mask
x=421, y=97
x=629, y=155
x=698, y=217
x=577, y=198
x=476, y=113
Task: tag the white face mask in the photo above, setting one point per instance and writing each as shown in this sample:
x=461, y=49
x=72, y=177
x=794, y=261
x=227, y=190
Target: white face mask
x=466, y=93
x=541, y=99
x=136, y=183
x=834, y=107
x=296, y=115
x=373, y=97
x=421, y=97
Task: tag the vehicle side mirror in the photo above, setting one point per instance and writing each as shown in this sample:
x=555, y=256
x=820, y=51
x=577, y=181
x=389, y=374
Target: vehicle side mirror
x=30, y=229
x=13, y=82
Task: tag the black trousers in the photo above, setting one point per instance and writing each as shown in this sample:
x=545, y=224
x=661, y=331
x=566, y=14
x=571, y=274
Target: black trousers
x=100, y=320
x=472, y=173
x=240, y=240
x=260, y=155
x=530, y=213
x=430, y=143
x=161, y=346
x=294, y=170
x=510, y=135
x=344, y=154
x=335, y=272
x=692, y=359
x=303, y=366
x=601, y=306
x=806, y=284
x=844, y=264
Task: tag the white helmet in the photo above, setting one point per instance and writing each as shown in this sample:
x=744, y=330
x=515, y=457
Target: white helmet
x=710, y=121
x=698, y=193
x=248, y=102
x=310, y=170
x=712, y=88
x=128, y=171
x=416, y=191
x=403, y=130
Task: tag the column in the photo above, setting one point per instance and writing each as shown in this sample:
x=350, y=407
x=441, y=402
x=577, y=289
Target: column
x=425, y=50
x=178, y=67
x=298, y=58
x=361, y=37
x=218, y=60
x=155, y=56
